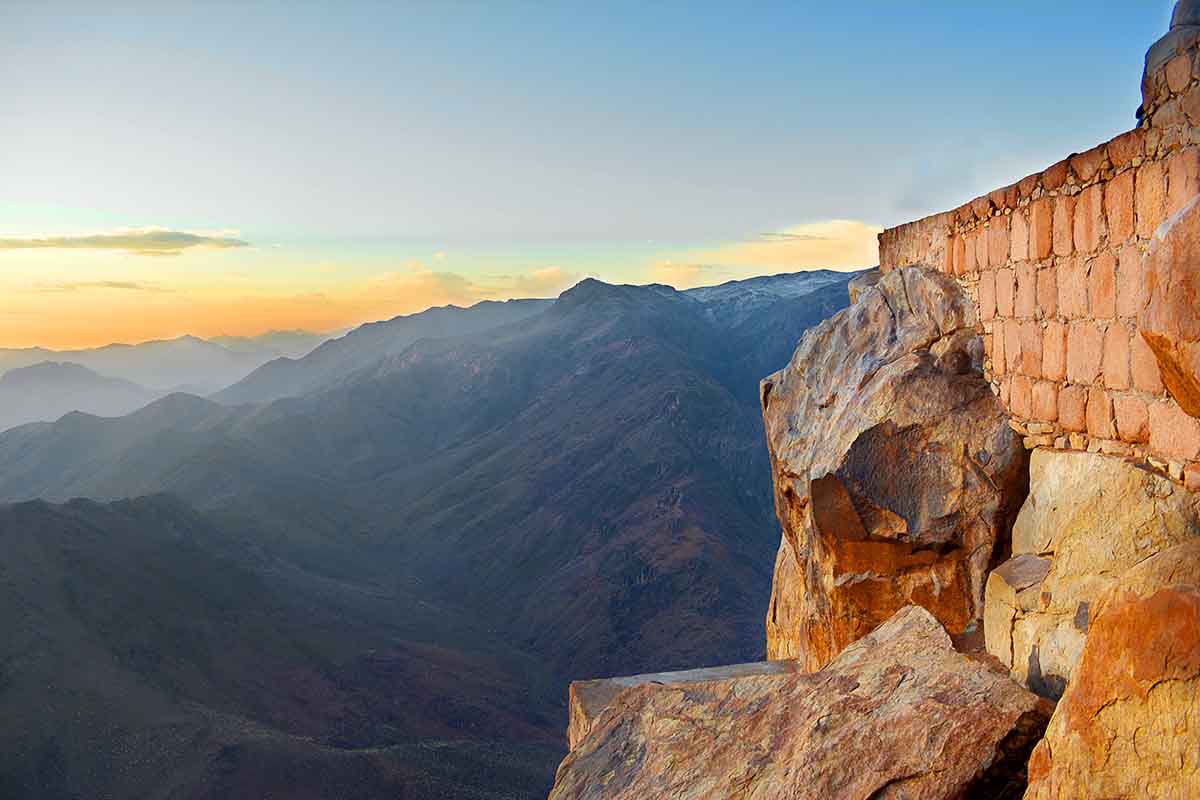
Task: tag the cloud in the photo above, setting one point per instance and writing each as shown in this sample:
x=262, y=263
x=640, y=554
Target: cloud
x=73, y=286
x=142, y=241
x=837, y=244
x=543, y=282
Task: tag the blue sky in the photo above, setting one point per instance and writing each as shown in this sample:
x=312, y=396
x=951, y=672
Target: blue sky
x=360, y=143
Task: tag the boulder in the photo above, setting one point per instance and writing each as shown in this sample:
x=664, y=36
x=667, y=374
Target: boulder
x=896, y=473
x=861, y=282
x=587, y=699
x=1088, y=518
x=1170, y=317
x=899, y=714
x=1129, y=722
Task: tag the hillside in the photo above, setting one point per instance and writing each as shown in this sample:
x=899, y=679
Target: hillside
x=46, y=391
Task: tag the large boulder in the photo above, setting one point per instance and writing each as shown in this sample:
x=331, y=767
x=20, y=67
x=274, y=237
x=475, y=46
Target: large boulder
x=1089, y=518
x=899, y=714
x=896, y=472
x=1129, y=723
x=1170, y=317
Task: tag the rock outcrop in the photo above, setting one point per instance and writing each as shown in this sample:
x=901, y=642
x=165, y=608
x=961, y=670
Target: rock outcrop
x=896, y=472
x=588, y=699
x=1170, y=320
x=899, y=714
x=1129, y=723
x=1088, y=519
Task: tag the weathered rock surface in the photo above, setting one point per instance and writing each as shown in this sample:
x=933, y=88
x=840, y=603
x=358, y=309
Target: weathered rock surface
x=1088, y=519
x=1170, y=319
x=899, y=714
x=894, y=466
x=1129, y=723
x=863, y=281
x=587, y=699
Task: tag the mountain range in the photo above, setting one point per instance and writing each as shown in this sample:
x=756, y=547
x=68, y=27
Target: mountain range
x=564, y=489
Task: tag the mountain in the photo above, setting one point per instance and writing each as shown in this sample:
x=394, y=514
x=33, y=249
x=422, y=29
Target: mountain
x=149, y=653
x=163, y=365
x=734, y=302
x=46, y=391
x=587, y=484
x=339, y=358
x=273, y=344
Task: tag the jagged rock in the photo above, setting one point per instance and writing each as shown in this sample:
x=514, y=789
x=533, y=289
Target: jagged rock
x=863, y=281
x=1129, y=723
x=894, y=465
x=588, y=699
x=1170, y=320
x=1088, y=519
x=899, y=714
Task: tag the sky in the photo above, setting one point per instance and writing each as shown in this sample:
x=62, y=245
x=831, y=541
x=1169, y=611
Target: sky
x=229, y=168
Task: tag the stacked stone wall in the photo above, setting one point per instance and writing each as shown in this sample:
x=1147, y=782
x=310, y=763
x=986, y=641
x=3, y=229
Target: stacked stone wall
x=1054, y=264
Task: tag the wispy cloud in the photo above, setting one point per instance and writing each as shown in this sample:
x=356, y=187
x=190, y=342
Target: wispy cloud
x=76, y=286
x=837, y=244
x=141, y=241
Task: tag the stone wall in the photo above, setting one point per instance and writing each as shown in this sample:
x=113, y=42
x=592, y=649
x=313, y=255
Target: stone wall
x=1054, y=264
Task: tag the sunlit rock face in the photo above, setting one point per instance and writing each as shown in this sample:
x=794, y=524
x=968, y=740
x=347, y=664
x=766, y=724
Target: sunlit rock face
x=899, y=714
x=896, y=473
x=1170, y=319
x=1088, y=519
x=1129, y=722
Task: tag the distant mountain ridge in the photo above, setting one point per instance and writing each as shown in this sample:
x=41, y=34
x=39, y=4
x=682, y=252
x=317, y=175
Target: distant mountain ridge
x=588, y=482
x=48, y=390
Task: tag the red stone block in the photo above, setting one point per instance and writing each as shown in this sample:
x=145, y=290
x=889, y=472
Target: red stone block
x=987, y=294
x=1045, y=401
x=1041, y=228
x=1019, y=236
x=1129, y=282
x=1089, y=219
x=1055, y=176
x=982, y=207
x=999, y=360
x=1072, y=288
x=960, y=256
x=1085, y=351
x=1191, y=477
x=1126, y=147
x=1005, y=390
x=1025, y=304
x=998, y=241
x=1027, y=185
x=1173, y=433
x=1118, y=207
x=949, y=266
x=1183, y=179
x=981, y=250
x=1020, y=400
x=1143, y=367
x=970, y=262
x=1054, y=351
x=1072, y=408
x=1150, y=197
x=1004, y=293
x=1133, y=419
x=1031, y=348
x=1047, y=292
x=1099, y=414
x=1012, y=344
x=1102, y=286
x=996, y=196
x=1064, y=211
x=1087, y=165
x=1116, y=357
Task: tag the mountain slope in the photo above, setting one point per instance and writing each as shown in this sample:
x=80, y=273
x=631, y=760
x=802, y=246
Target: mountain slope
x=339, y=358
x=46, y=391
x=147, y=653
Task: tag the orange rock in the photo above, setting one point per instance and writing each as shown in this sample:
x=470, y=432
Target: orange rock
x=1054, y=351
x=1118, y=207
x=1102, y=286
x=1041, y=228
x=1072, y=408
x=1085, y=351
x=1072, y=288
x=1116, y=357
x=1064, y=213
x=894, y=467
x=1170, y=322
x=1150, y=198
x=1089, y=219
x=1127, y=725
x=900, y=708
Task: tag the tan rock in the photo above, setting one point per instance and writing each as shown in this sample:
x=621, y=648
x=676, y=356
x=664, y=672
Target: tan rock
x=1129, y=723
x=894, y=469
x=1170, y=322
x=1091, y=517
x=899, y=714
